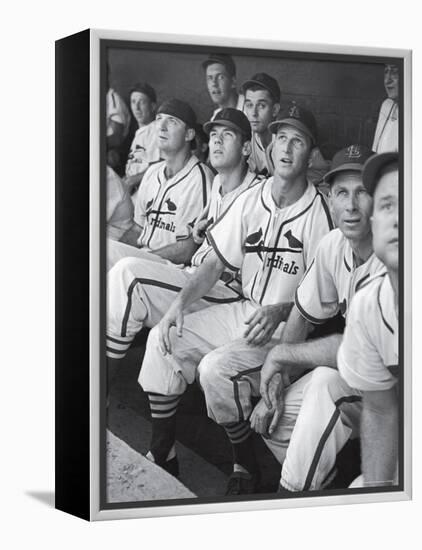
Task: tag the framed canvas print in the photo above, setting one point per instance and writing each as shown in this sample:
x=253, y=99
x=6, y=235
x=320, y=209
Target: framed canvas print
x=232, y=275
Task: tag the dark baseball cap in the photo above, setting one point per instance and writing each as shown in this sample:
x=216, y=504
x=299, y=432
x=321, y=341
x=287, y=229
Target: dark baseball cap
x=179, y=109
x=264, y=81
x=351, y=158
x=232, y=118
x=223, y=59
x=145, y=88
x=300, y=118
x=374, y=166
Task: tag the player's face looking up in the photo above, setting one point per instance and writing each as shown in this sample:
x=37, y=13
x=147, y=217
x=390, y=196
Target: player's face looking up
x=219, y=83
x=385, y=219
x=172, y=133
x=391, y=81
x=351, y=205
x=226, y=147
x=142, y=108
x=260, y=109
x=291, y=152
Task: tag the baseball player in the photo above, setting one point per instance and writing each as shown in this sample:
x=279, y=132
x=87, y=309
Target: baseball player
x=173, y=192
x=262, y=104
x=140, y=291
x=368, y=355
x=387, y=131
x=268, y=236
x=220, y=74
x=321, y=411
x=144, y=149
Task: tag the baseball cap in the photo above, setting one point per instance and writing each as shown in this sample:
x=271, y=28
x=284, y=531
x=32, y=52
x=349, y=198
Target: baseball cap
x=179, y=109
x=373, y=167
x=145, y=88
x=265, y=81
x=223, y=59
x=299, y=117
x=350, y=158
x=232, y=118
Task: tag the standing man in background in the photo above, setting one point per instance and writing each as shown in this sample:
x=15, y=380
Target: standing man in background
x=220, y=74
x=387, y=130
x=262, y=104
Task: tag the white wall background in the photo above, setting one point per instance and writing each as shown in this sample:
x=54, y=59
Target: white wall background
x=27, y=272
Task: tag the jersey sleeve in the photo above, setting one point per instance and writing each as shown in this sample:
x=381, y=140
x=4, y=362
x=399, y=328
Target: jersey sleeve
x=227, y=235
x=196, y=200
x=139, y=216
x=316, y=296
x=359, y=362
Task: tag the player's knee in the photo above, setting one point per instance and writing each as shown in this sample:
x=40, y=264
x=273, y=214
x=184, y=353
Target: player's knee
x=209, y=372
x=323, y=378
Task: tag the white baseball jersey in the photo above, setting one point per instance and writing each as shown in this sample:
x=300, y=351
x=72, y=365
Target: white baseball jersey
x=332, y=279
x=368, y=356
x=387, y=131
x=117, y=112
x=239, y=106
x=165, y=207
x=271, y=247
x=258, y=159
x=119, y=211
x=143, y=150
x=219, y=204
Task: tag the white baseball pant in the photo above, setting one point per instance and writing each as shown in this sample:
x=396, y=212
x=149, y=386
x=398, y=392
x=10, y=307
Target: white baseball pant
x=321, y=413
x=213, y=350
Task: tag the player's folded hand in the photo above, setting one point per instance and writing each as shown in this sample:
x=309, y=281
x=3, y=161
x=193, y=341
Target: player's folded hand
x=273, y=367
x=263, y=419
x=263, y=323
x=173, y=318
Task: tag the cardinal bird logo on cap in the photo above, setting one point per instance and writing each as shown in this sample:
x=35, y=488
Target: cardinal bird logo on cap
x=294, y=111
x=354, y=152
x=293, y=241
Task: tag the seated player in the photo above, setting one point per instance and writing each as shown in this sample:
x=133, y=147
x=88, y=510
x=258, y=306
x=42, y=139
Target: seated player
x=267, y=236
x=368, y=356
x=262, y=104
x=386, y=137
x=314, y=417
x=173, y=192
x=140, y=291
x=220, y=74
x=144, y=149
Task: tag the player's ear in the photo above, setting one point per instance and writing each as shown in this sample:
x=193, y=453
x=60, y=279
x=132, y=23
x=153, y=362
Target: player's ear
x=190, y=134
x=246, y=149
x=311, y=152
x=276, y=109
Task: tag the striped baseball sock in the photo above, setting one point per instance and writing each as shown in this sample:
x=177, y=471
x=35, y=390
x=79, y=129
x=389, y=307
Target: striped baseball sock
x=163, y=415
x=117, y=347
x=243, y=452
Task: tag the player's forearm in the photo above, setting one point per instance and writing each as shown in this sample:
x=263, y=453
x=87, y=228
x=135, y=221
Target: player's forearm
x=297, y=327
x=180, y=252
x=201, y=282
x=308, y=355
x=379, y=435
x=132, y=235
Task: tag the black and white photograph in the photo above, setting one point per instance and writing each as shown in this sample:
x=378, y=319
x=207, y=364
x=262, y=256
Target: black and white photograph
x=252, y=274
